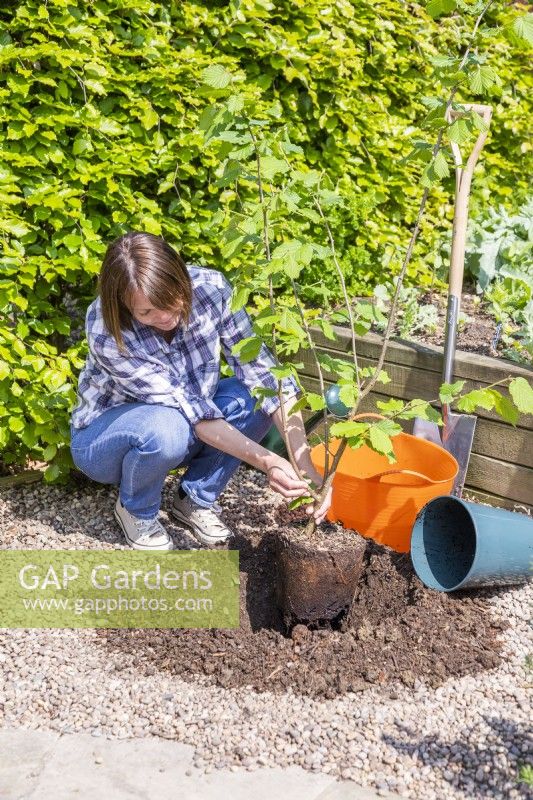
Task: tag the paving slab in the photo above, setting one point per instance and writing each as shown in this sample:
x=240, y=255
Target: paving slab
x=45, y=765
x=348, y=790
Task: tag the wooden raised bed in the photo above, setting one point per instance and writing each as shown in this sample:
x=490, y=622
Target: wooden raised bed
x=501, y=465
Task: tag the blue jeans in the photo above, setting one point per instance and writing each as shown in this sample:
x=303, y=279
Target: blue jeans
x=134, y=445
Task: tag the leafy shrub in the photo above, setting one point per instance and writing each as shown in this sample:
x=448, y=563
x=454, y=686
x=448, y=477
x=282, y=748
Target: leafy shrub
x=99, y=107
x=499, y=259
x=500, y=244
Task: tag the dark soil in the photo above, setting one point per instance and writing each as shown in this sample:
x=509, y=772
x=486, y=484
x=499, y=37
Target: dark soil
x=477, y=335
x=397, y=630
x=318, y=575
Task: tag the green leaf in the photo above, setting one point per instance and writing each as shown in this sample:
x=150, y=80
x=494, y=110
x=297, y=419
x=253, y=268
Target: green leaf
x=49, y=452
x=22, y=329
x=436, y=8
x=326, y=329
x=234, y=137
x=300, y=404
x=51, y=473
x=287, y=256
x=21, y=374
x=282, y=371
x=300, y=501
x=28, y=436
x=290, y=323
x=310, y=214
x=207, y=117
x=349, y=428
x=242, y=153
x=235, y=103
x=381, y=442
x=41, y=347
x=18, y=347
x=504, y=407
x=348, y=393
x=54, y=379
x=5, y=370
x=522, y=27
x=389, y=426
x=234, y=245
x=4, y=436
x=271, y=166
x=232, y=170
x=81, y=144
x=482, y=78
x=149, y=116
x=240, y=297
x=338, y=366
x=72, y=242
x=216, y=76
x=16, y=424
x=421, y=409
x=478, y=398
x=440, y=165
x=315, y=401
x=390, y=406
x=14, y=228
x=247, y=349
x=95, y=86
x=458, y=131
x=448, y=391
x=522, y=394
x=329, y=198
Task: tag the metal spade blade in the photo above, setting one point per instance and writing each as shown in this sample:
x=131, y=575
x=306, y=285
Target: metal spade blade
x=456, y=437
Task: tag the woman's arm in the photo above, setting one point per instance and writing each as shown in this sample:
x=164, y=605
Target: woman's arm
x=296, y=439
x=282, y=478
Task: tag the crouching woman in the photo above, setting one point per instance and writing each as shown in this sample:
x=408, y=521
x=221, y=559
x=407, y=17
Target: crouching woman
x=150, y=397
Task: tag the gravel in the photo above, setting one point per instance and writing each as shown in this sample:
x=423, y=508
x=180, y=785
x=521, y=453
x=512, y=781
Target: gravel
x=466, y=739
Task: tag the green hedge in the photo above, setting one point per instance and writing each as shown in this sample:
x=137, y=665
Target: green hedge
x=100, y=103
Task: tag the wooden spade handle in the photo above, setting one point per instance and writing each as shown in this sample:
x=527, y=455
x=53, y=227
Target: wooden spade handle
x=463, y=183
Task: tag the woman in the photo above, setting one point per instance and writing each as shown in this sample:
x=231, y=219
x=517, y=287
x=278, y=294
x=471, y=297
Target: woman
x=150, y=396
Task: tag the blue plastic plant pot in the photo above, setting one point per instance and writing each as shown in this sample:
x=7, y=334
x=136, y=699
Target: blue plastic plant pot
x=459, y=545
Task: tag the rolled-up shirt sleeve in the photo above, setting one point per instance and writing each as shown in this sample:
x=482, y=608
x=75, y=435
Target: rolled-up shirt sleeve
x=147, y=381
x=235, y=326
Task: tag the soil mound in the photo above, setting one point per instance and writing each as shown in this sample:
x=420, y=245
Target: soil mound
x=397, y=630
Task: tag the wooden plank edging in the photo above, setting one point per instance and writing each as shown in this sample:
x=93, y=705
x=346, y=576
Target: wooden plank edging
x=22, y=478
x=414, y=354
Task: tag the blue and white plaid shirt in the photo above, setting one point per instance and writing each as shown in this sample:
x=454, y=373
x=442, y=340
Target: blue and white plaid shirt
x=183, y=374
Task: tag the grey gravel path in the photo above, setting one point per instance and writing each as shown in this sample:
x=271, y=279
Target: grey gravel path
x=466, y=739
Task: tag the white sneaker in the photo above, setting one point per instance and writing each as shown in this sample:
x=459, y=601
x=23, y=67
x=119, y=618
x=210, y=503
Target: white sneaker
x=205, y=525
x=142, y=534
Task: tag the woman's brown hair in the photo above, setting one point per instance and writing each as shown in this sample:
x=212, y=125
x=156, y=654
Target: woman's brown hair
x=141, y=261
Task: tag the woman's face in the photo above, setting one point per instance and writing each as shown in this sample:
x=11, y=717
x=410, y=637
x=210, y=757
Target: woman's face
x=145, y=312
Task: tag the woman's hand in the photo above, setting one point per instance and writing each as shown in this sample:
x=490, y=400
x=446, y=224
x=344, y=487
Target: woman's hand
x=311, y=509
x=320, y=512
x=283, y=479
